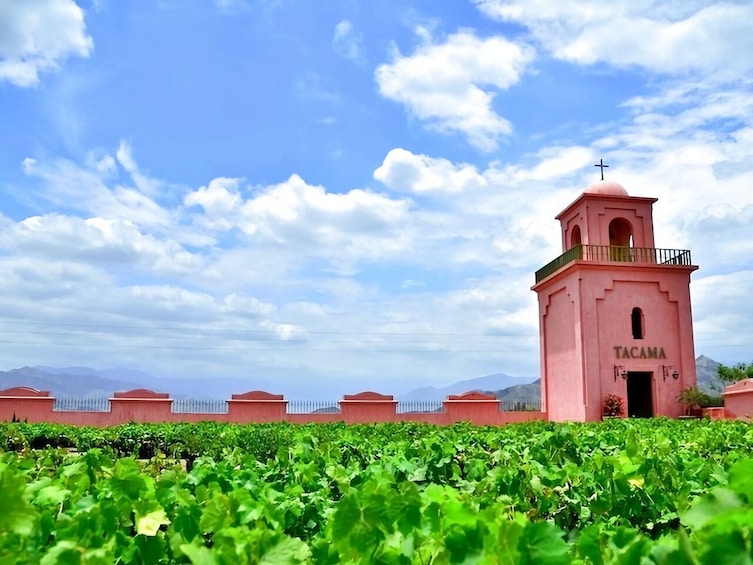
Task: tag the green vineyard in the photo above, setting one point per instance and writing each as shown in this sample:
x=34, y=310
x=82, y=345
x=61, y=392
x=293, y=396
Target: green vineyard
x=624, y=491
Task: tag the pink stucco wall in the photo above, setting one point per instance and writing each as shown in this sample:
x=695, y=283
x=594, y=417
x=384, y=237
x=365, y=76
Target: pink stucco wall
x=667, y=341
x=585, y=314
x=562, y=355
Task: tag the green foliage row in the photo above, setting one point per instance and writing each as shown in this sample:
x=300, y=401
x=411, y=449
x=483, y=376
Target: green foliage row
x=626, y=491
x=181, y=441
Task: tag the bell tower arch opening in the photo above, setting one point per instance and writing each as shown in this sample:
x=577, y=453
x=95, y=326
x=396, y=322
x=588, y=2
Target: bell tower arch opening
x=620, y=233
x=575, y=237
x=620, y=240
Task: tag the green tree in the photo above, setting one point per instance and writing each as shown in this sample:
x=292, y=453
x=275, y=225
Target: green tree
x=730, y=375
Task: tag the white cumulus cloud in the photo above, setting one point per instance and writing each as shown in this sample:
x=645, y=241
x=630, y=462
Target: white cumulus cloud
x=100, y=241
x=220, y=200
x=355, y=225
x=403, y=170
x=451, y=85
x=39, y=35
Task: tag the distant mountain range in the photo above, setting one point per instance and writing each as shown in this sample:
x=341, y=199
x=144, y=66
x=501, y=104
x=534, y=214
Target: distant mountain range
x=74, y=381
x=706, y=375
x=526, y=393
x=84, y=382
x=494, y=382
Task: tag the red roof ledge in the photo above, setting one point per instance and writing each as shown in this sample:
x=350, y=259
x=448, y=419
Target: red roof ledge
x=368, y=396
x=740, y=387
x=259, y=396
x=474, y=396
x=25, y=391
x=143, y=394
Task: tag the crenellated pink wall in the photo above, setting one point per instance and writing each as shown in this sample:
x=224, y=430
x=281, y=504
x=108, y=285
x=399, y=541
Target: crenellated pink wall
x=143, y=405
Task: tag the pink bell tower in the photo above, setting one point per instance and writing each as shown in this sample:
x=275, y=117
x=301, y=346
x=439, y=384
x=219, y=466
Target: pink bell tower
x=614, y=312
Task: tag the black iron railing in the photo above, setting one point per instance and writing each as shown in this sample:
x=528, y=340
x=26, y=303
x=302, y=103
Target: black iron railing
x=645, y=255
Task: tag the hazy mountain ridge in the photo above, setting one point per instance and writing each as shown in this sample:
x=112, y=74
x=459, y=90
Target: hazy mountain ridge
x=494, y=381
x=706, y=375
x=529, y=393
x=85, y=382
x=67, y=382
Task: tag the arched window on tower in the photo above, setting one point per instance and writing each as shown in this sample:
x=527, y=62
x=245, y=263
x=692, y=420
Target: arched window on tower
x=575, y=236
x=636, y=321
x=620, y=240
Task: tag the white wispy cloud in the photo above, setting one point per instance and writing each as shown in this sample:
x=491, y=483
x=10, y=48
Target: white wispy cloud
x=665, y=37
x=347, y=42
x=67, y=184
x=38, y=36
x=450, y=85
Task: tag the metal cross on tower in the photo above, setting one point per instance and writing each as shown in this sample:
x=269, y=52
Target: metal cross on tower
x=601, y=165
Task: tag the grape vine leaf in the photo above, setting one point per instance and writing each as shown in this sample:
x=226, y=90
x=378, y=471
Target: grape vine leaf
x=199, y=555
x=148, y=523
x=17, y=514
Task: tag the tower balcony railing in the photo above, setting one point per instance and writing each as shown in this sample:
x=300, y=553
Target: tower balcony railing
x=598, y=253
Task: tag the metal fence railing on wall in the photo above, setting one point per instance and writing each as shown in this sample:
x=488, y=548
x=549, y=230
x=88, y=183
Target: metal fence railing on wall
x=419, y=406
x=195, y=406
x=313, y=407
x=81, y=405
x=520, y=405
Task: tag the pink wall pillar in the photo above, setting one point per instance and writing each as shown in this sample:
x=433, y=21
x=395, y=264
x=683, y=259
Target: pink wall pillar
x=26, y=404
x=257, y=406
x=368, y=407
x=475, y=407
x=141, y=405
x=738, y=400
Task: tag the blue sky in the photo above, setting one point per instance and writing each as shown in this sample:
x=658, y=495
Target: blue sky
x=335, y=196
